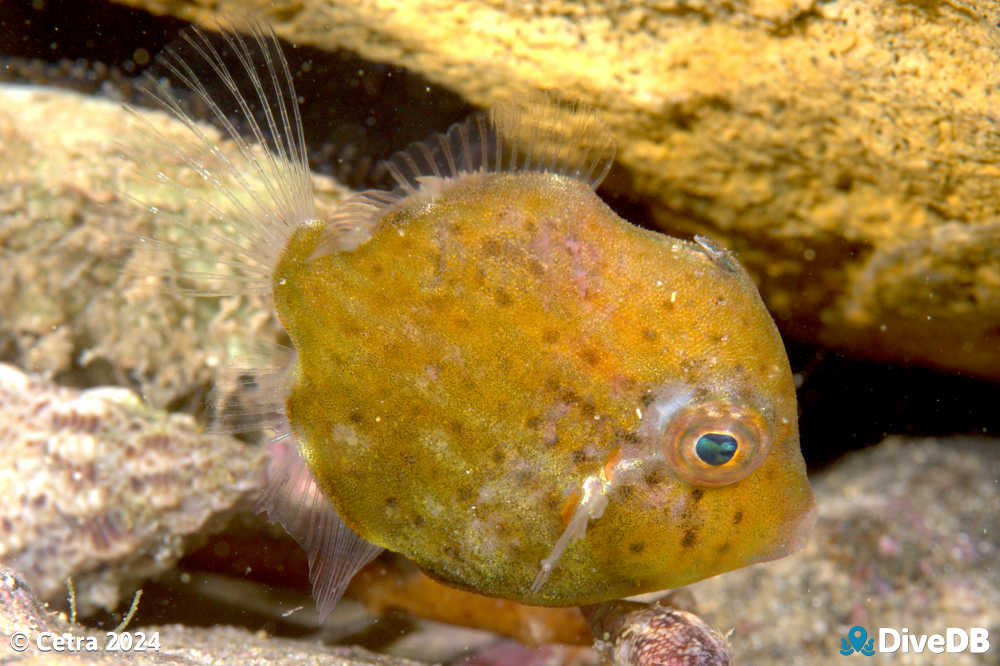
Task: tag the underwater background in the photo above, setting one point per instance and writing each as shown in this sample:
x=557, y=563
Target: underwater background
x=846, y=152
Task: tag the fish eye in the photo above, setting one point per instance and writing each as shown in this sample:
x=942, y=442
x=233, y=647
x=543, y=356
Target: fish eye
x=716, y=443
x=716, y=448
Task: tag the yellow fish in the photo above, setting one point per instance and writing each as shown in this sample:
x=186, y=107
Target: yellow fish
x=496, y=375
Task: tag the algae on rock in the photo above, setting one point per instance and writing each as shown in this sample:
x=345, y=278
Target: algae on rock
x=101, y=488
x=85, y=301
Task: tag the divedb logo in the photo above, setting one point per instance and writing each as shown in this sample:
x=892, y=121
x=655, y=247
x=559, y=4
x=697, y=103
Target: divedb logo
x=975, y=640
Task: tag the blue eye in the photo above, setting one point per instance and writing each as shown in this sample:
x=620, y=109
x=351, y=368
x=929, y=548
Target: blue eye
x=715, y=448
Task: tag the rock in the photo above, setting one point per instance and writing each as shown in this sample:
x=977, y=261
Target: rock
x=84, y=301
x=907, y=536
x=21, y=615
x=512, y=653
x=102, y=489
x=846, y=150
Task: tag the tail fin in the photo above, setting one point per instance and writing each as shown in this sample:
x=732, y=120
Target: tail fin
x=259, y=190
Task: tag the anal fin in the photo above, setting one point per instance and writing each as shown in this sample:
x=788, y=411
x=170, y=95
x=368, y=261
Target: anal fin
x=294, y=500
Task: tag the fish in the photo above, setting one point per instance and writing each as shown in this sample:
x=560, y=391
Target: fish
x=491, y=372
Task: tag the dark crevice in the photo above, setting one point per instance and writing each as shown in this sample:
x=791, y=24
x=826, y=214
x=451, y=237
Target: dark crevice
x=849, y=403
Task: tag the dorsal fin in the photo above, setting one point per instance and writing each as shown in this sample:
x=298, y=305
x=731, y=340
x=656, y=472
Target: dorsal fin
x=543, y=133
x=534, y=135
x=539, y=134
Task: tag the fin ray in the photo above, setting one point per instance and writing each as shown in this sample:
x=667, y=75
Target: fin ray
x=294, y=500
x=250, y=390
x=534, y=135
x=264, y=183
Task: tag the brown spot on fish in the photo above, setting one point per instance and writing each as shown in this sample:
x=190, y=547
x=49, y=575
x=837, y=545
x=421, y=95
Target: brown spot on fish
x=589, y=356
x=737, y=517
x=623, y=384
x=649, y=334
x=550, y=336
x=636, y=546
x=697, y=494
x=653, y=478
x=691, y=365
x=502, y=298
x=629, y=437
x=690, y=536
